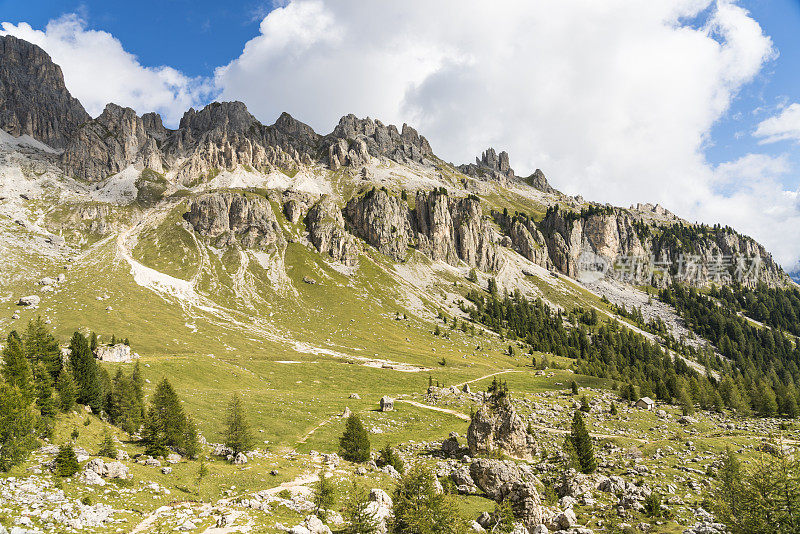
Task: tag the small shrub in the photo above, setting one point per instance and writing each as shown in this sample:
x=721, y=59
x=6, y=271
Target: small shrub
x=86, y=500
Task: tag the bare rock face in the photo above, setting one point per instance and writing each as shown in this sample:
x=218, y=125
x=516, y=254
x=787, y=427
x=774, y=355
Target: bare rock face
x=33, y=97
x=326, y=228
x=538, y=181
x=224, y=135
x=233, y=219
x=374, y=138
x=383, y=221
x=453, y=230
x=615, y=234
x=505, y=480
x=113, y=141
x=490, y=165
x=497, y=427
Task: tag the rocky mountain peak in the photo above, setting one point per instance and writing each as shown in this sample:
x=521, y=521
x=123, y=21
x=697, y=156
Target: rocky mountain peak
x=229, y=116
x=33, y=97
x=291, y=126
x=378, y=140
x=490, y=165
x=118, y=137
x=539, y=181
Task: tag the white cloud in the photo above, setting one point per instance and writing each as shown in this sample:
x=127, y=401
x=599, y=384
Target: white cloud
x=781, y=127
x=614, y=100
x=759, y=204
x=97, y=70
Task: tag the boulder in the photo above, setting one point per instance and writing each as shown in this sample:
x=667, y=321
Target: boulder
x=386, y=404
x=240, y=459
x=30, y=300
x=380, y=505
x=119, y=353
x=506, y=480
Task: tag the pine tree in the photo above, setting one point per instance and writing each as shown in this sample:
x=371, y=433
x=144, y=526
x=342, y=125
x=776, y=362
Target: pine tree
x=42, y=347
x=358, y=515
x=67, y=391
x=324, y=497
x=686, y=402
x=202, y=472
x=17, y=420
x=93, y=343
x=419, y=509
x=85, y=371
x=582, y=441
x=66, y=462
x=237, y=435
x=613, y=409
x=389, y=456
x=354, y=443
x=16, y=369
x=167, y=425
x=574, y=387
x=473, y=276
x=107, y=447
x=155, y=444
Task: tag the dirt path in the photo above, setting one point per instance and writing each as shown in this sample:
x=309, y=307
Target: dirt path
x=150, y=519
x=552, y=430
x=462, y=384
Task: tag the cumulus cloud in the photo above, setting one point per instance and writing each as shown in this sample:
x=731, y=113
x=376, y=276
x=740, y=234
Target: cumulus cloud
x=781, y=127
x=760, y=204
x=97, y=70
x=614, y=100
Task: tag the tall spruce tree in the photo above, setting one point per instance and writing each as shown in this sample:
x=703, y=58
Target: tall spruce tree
x=42, y=348
x=167, y=424
x=67, y=391
x=16, y=369
x=354, y=443
x=237, y=435
x=582, y=443
x=17, y=420
x=85, y=371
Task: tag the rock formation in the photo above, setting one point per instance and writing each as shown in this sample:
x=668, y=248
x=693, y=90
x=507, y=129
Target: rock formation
x=496, y=427
x=326, y=229
x=113, y=141
x=354, y=139
x=232, y=219
x=506, y=480
x=33, y=97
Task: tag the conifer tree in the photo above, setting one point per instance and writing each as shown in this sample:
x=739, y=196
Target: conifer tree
x=419, y=509
x=16, y=369
x=237, y=435
x=66, y=462
x=67, y=391
x=167, y=425
x=582, y=442
x=107, y=447
x=389, y=456
x=354, y=444
x=324, y=497
x=93, y=343
x=17, y=420
x=85, y=371
x=358, y=515
x=42, y=347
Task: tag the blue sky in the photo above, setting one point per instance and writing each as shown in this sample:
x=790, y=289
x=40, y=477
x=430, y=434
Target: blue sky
x=621, y=102
x=194, y=36
x=777, y=84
